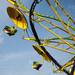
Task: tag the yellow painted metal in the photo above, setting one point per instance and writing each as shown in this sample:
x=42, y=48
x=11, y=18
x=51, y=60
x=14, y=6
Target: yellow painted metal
x=41, y=53
x=17, y=17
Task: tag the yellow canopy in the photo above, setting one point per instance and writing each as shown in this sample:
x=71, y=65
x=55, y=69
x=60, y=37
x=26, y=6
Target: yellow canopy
x=41, y=53
x=17, y=17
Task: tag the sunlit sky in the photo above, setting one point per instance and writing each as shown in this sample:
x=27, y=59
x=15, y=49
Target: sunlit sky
x=16, y=54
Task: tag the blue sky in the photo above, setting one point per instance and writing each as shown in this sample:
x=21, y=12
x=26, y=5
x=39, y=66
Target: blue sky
x=16, y=54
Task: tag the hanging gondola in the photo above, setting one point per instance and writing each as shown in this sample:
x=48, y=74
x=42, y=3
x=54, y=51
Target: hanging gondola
x=36, y=65
x=10, y=30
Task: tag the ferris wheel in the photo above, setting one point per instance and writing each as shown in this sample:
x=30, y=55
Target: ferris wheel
x=47, y=29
